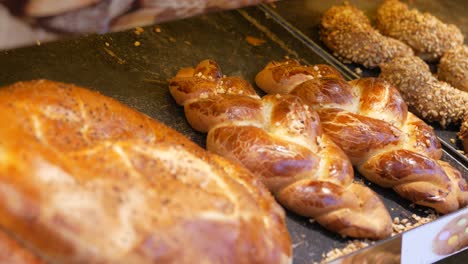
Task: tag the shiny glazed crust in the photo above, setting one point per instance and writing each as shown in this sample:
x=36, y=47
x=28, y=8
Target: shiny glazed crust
x=280, y=140
x=369, y=120
x=429, y=37
x=348, y=33
x=85, y=179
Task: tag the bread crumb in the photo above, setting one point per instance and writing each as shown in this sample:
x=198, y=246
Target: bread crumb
x=348, y=249
x=107, y=44
x=188, y=42
x=358, y=70
x=157, y=29
x=138, y=31
x=452, y=140
x=137, y=43
x=405, y=224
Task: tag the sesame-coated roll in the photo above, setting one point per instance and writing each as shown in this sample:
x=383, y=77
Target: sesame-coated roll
x=428, y=97
x=453, y=67
x=348, y=33
x=427, y=35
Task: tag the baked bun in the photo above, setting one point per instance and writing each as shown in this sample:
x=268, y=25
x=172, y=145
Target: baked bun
x=349, y=34
x=429, y=37
x=453, y=67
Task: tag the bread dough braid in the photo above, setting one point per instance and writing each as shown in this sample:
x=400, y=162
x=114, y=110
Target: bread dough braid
x=390, y=146
x=348, y=33
x=279, y=139
x=429, y=37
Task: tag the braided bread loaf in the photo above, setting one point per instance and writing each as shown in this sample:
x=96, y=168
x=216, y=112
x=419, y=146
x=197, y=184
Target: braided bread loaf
x=279, y=139
x=369, y=120
x=85, y=179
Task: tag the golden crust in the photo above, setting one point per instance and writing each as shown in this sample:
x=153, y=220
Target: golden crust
x=279, y=139
x=348, y=33
x=429, y=37
x=84, y=178
x=369, y=120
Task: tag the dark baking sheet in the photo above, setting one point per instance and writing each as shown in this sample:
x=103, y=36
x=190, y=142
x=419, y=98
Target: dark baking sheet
x=302, y=17
x=137, y=76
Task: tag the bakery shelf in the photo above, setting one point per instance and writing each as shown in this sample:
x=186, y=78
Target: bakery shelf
x=137, y=76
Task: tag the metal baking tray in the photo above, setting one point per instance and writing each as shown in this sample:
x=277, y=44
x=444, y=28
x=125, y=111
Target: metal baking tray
x=302, y=19
x=135, y=68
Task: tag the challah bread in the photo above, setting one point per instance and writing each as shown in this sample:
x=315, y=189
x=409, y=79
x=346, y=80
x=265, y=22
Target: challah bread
x=349, y=34
x=279, y=139
x=85, y=179
x=429, y=37
x=369, y=120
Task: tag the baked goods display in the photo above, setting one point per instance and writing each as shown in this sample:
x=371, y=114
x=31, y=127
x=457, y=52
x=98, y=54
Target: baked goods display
x=86, y=179
x=279, y=139
x=429, y=37
x=346, y=31
x=452, y=237
x=135, y=67
x=453, y=67
x=369, y=120
x=349, y=34
x=428, y=97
